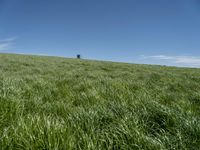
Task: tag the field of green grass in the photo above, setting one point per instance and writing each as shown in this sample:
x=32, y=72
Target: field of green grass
x=57, y=103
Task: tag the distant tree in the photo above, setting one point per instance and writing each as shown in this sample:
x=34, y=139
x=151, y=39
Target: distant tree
x=78, y=56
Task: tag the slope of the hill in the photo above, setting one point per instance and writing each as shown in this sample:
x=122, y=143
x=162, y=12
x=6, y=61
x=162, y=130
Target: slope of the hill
x=58, y=103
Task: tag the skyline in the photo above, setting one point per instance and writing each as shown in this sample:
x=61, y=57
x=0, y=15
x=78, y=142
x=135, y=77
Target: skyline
x=164, y=33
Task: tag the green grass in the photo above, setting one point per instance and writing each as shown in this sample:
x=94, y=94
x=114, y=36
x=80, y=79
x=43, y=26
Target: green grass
x=58, y=103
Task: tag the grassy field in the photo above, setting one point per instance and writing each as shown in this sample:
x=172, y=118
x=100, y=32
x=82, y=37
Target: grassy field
x=58, y=103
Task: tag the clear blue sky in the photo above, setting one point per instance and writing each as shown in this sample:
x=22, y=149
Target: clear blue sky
x=137, y=31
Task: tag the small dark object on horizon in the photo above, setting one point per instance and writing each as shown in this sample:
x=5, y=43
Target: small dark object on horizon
x=78, y=56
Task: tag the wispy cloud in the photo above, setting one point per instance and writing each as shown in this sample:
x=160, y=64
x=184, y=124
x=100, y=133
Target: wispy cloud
x=6, y=44
x=188, y=61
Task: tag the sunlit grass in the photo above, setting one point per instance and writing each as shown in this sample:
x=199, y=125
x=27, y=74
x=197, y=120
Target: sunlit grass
x=58, y=103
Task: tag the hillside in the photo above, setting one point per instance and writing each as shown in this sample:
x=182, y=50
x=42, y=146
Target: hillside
x=60, y=103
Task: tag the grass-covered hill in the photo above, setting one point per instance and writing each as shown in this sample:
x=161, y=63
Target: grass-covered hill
x=58, y=103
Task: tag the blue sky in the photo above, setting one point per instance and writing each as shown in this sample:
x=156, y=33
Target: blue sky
x=165, y=32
